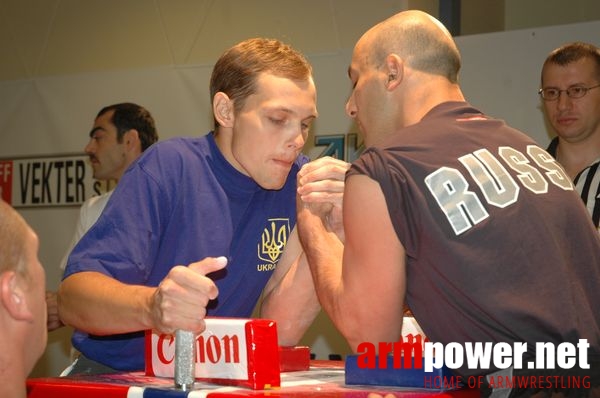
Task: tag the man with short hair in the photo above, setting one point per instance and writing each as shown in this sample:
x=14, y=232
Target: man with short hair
x=23, y=332
x=570, y=92
x=120, y=134
x=205, y=225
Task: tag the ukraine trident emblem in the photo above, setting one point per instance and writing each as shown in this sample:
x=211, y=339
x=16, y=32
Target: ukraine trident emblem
x=273, y=239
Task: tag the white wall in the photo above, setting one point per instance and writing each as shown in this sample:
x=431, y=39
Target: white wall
x=501, y=71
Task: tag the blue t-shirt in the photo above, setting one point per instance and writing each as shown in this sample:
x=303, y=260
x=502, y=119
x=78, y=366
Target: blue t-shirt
x=181, y=202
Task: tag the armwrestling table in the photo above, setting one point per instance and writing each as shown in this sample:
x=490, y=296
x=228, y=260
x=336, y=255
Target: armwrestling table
x=324, y=379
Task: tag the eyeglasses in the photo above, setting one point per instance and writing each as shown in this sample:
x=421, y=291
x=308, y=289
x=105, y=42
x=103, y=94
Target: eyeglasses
x=552, y=94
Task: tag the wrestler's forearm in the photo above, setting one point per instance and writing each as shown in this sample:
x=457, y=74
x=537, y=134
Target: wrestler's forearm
x=97, y=304
x=289, y=297
x=324, y=253
x=293, y=303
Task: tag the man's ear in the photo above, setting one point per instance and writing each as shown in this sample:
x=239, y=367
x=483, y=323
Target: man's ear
x=223, y=109
x=395, y=71
x=131, y=139
x=13, y=297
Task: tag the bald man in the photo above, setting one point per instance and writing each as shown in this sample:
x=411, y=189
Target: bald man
x=23, y=333
x=461, y=217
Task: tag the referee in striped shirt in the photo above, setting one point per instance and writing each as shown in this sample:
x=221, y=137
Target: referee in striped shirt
x=570, y=95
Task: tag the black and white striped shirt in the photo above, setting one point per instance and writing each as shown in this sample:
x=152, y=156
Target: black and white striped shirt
x=587, y=183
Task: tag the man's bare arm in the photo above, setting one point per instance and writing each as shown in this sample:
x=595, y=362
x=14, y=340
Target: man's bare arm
x=101, y=305
x=361, y=285
x=289, y=297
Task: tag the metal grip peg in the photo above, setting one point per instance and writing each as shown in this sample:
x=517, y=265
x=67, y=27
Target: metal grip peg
x=185, y=364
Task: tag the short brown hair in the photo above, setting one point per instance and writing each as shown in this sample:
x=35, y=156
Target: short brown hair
x=236, y=71
x=572, y=52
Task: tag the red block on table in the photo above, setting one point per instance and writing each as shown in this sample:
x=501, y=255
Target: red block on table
x=242, y=352
x=293, y=359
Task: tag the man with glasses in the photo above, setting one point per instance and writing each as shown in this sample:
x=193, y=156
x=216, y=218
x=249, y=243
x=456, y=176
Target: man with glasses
x=571, y=98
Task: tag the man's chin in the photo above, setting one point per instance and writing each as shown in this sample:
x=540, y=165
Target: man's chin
x=273, y=185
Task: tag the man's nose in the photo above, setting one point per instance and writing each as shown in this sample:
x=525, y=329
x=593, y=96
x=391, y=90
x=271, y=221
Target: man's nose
x=90, y=147
x=351, y=107
x=299, y=139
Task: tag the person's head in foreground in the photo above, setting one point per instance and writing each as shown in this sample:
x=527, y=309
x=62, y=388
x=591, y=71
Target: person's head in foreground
x=22, y=294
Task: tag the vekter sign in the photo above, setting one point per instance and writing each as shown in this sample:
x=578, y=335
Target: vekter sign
x=48, y=181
